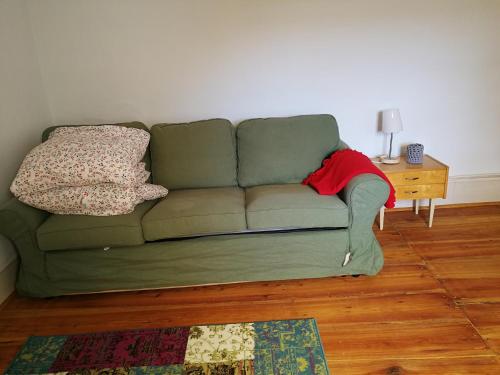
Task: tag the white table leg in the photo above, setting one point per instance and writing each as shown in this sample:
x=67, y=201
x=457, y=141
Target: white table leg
x=431, y=212
x=417, y=205
x=381, y=218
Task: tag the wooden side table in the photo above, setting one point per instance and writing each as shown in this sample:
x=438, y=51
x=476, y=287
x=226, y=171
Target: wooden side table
x=428, y=180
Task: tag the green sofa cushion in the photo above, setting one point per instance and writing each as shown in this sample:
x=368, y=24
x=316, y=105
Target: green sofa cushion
x=194, y=155
x=283, y=150
x=194, y=212
x=64, y=232
x=134, y=124
x=293, y=206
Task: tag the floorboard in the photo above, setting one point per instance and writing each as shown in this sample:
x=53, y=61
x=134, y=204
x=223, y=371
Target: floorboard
x=433, y=309
x=486, y=319
x=474, y=290
x=443, y=366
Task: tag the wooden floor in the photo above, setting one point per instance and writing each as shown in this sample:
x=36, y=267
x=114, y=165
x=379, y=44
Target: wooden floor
x=434, y=309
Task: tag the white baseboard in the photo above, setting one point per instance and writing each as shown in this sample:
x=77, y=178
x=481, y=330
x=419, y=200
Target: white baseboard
x=467, y=189
x=8, y=280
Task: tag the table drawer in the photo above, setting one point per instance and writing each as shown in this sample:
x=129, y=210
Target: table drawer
x=418, y=177
x=420, y=191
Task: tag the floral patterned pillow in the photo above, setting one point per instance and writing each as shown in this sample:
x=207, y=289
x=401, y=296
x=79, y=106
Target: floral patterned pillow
x=96, y=200
x=88, y=170
x=87, y=155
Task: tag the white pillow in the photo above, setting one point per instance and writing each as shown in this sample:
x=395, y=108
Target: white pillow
x=87, y=155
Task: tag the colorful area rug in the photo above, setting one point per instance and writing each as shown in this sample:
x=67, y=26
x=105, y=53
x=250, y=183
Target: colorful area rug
x=284, y=347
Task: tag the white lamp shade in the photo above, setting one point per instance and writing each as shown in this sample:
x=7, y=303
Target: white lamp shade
x=391, y=121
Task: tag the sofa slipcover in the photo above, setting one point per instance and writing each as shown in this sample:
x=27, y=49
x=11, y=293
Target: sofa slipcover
x=194, y=155
x=293, y=206
x=284, y=150
x=62, y=232
x=194, y=212
x=197, y=261
x=228, y=257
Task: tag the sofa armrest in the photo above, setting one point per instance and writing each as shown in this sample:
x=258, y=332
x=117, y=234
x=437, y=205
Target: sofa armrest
x=363, y=195
x=343, y=145
x=19, y=222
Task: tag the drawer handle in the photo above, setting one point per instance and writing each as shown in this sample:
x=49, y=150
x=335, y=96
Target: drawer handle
x=412, y=178
x=411, y=192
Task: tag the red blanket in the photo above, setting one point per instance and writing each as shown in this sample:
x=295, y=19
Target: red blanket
x=339, y=168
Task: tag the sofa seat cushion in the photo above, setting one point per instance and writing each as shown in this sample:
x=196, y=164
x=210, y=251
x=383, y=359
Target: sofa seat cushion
x=67, y=232
x=193, y=212
x=293, y=206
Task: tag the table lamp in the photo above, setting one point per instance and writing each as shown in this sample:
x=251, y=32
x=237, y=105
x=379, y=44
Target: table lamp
x=391, y=123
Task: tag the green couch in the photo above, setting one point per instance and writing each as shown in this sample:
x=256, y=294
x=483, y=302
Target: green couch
x=236, y=212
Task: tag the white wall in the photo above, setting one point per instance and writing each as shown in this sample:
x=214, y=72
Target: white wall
x=23, y=110
x=437, y=60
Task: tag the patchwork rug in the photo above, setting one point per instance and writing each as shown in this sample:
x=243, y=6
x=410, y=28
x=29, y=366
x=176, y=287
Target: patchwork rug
x=284, y=347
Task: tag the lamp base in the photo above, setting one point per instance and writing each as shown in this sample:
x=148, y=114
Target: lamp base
x=387, y=160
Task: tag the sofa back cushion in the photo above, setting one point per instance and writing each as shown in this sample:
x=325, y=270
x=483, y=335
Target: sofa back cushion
x=194, y=155
x=284, y=150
